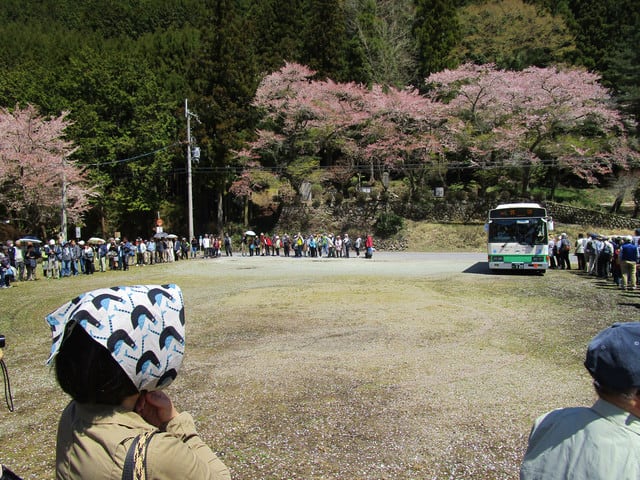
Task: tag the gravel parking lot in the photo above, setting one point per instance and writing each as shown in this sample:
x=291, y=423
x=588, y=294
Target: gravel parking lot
x=405, y=366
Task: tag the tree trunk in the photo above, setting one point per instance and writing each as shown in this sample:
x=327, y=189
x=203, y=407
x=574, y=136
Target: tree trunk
x=526, y=177
x=246, y=211
x=615, y=208
x=220, y=216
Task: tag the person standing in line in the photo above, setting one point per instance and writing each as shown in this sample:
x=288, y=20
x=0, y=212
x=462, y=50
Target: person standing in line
x=604, y=258
x=55, y=252
x=124, y=251
x=11, y=253
x=357, y=246
x=591, y=252
x=5, y=271
x=616, y=267
x=368, y=244
x=103, y=249
x=286, y=244
x=600, y=442
x=169, y=252
x=268, y=245
x=628, y=263
x=151, y=251
x=65, y=270
x=565, y=249
x=205, y=245
x=141, y=250
x=76, y=253
x=227, y=245
x=186, y=246
x=88, y=256
x=194, y=247
x=579, y=251
x=44, y=255
x=243, y=245
x=31, y=261
x=19, y=258
x=216, y=247
x=277, y=244
x=552, y=253
x=338, y=246
x=160, y=246
x=81, y=245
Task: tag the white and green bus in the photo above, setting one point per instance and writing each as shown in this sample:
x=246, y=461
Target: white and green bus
x=518, y=237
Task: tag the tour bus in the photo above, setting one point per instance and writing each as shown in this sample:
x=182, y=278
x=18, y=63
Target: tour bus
x=518, y=237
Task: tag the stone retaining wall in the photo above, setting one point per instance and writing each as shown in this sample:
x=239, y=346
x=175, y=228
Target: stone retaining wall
x=582, y=216
x=359, y=218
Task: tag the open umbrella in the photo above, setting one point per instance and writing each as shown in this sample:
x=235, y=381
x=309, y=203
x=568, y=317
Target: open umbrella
x=96, y=240
x=172, y=236
x=29, y=238
x=250, y=233
x=161, y=235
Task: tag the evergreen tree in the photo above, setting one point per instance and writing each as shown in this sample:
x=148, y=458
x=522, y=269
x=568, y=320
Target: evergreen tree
x=224, y=79
x=436, y=30
x=325, y=38
x=607, y=33
x=278, y=30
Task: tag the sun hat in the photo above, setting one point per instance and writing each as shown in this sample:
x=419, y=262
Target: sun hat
x=613, y=356
x=141, y=325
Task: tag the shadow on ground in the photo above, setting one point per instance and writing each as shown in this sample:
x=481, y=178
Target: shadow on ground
x=481, y=268
x=627, y=297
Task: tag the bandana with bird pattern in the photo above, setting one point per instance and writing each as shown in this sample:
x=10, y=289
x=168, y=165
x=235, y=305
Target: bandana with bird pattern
x=141, y=325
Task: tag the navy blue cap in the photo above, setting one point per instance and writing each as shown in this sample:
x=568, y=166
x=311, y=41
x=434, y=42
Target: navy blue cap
x=613, y=356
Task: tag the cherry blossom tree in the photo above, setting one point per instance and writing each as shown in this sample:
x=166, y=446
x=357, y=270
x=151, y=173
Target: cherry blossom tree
x=547, y=121
x=342, y=127
x=558, y=119
x=35, y=167
x=403, y=134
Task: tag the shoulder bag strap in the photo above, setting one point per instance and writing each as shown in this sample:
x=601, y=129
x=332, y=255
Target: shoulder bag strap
x=135, y=464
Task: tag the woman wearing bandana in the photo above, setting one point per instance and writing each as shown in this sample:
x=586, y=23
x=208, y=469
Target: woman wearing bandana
x=115, y=349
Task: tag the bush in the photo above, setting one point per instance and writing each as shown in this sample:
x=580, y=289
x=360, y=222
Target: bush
x=388, y=223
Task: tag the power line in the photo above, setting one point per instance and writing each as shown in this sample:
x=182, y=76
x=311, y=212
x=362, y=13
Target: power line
x=130, y=159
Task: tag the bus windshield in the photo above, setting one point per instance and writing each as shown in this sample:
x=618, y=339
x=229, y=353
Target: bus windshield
x=526, y=231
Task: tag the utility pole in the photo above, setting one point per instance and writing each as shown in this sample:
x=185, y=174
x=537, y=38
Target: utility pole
x=63, y=216
x=189, y=180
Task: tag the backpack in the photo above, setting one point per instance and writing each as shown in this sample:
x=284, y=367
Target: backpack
x=589, y=247
x=607, y=248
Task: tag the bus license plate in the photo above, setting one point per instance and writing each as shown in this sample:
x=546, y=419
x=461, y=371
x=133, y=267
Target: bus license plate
x=517, y=266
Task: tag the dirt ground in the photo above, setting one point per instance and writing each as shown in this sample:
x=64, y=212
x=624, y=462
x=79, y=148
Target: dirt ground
x=406, y=366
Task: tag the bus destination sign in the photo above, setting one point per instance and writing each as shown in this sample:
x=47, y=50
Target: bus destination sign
x=518, y=212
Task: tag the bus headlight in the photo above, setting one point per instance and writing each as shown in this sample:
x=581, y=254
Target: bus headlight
x=538, y=259
x=497, y=258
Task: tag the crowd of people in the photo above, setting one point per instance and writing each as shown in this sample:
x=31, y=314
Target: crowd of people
x=21, y=260
x=606, y=257
x=311, y=245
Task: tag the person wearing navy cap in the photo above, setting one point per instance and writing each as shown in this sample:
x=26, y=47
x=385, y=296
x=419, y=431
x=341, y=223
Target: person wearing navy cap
x=601, y=441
